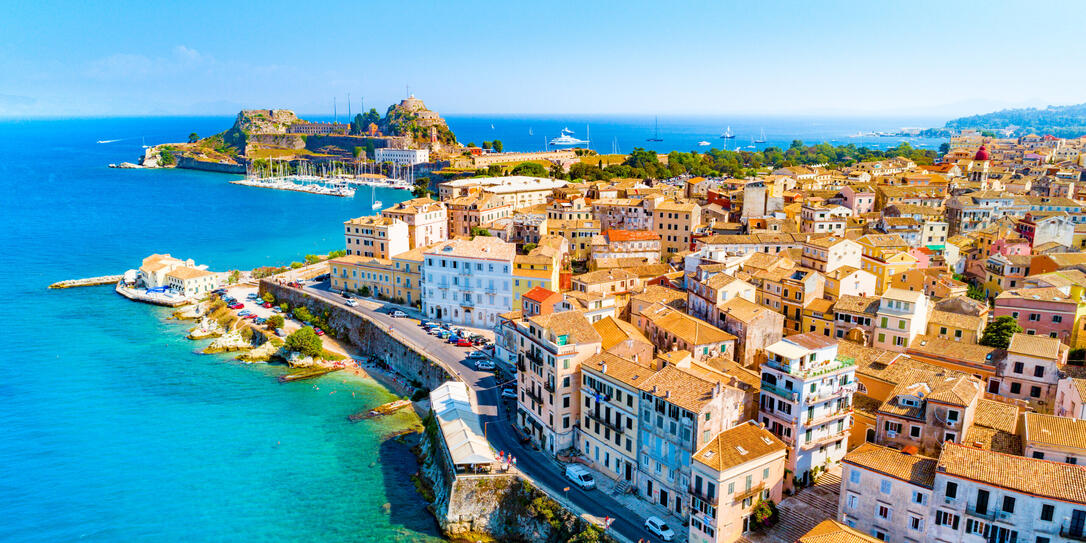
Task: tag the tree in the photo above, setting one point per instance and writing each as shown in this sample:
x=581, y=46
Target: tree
x=357, y=152
x=975, y=292
x=312, y=259
x=944, y=148
x=193, y=137
x=486, y=145
x=275, y=322
x=305, y=341
x=234, y=277
x=472, y=144
x=479, y=231
x=365, y=291
x=268, y=297
x=370, y=149
x=528, y=247
x=302, y=313
x=497, y=145
x=166, y=157
x=533, y=169
x=494, y=170
x=998, y=332
x=371, y=117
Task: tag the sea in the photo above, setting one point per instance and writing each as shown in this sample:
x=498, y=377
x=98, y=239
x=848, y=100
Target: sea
x=113, y=428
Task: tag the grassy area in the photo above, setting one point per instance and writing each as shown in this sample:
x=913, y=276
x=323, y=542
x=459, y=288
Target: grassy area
x=607, y=159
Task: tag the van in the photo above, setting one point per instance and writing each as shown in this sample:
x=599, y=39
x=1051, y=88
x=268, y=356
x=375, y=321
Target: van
x=580, y=476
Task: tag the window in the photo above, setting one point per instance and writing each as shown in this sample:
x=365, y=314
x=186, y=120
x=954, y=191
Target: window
x=885, y=486
x=1047, y=511
x=1016, y=388
x=1039, y=371
x=943, y=518
x=982, y=501
x=852, y=501
x=1019, y=367
x=1008, y=504
x=854, y=476
x=883, y=511
x=914, y=432
x=951, y=490
x=1035, y=392
x=920, y=498
x=916, y=524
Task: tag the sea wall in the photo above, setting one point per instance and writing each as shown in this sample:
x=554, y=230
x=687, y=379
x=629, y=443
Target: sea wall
x=190, y=163
x=369, y=336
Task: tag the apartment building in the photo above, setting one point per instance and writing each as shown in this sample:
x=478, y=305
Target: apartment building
x=622, y=214
x=902, y=315
x=549, y=351
x=468, y=282
x=609, y=414
x=579, y=233
x=1032, y=369
x=929, y=409
x=731, y=474
x=1050, y=437
x=806, y=400
x=755, y=328
x=1055, y=312
x=885, y=255
x=376, y=237
x=828, y=253
x=675, y=222
x=887, y=493
x=670, y=329
x=626, y=244
x=427, y=220
x=363, y=274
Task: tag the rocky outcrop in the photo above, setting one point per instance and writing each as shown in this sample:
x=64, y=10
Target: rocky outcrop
x=229, y=342
x=206, y=328
x=265, y=352
x=258, y=121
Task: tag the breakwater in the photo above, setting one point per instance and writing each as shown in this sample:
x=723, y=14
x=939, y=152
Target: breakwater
x=87, y=282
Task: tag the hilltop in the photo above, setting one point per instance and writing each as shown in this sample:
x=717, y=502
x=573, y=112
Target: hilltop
x=1060, y=121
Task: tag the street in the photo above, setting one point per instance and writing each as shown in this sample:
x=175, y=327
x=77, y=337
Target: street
x=497, y=417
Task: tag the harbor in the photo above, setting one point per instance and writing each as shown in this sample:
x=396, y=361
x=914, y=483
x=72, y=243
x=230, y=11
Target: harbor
x=87, y=282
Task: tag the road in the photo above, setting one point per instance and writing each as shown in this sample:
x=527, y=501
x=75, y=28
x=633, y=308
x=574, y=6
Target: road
x=497, y=417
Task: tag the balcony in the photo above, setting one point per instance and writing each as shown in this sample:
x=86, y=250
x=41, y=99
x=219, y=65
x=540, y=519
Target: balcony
x=750, y=492
x=822, y=396
x=823, y=369
x=467, y=303
x=828, y=417
x=1072, y=532
x=548, y=387
x=990, y=514
x=824, y=440
x=711, y=500
x=789, y=418
x=533, y=396
x=534, y=357
x=521, y=366
x=604, y=422
x=789, y=395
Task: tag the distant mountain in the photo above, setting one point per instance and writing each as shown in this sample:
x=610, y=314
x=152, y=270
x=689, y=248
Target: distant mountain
x=1061, y=121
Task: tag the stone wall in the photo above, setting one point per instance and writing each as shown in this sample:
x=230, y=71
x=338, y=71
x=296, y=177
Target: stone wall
x=190, y=163
x=366, y=334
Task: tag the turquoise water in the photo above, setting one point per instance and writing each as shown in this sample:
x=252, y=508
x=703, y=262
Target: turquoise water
x=113, y=428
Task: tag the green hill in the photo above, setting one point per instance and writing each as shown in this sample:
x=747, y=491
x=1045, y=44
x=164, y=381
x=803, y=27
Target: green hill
x=1060, y=121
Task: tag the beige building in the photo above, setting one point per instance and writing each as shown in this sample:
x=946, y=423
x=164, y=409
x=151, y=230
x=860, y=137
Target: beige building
x=731, y=474
x=609, y=422
x=192, y=282
x=427, y=220
x=675, y=222
x=376, y=237
x=670, y=329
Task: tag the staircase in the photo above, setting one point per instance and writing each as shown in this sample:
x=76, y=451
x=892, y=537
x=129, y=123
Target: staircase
x=802, y=511
x=621, y=488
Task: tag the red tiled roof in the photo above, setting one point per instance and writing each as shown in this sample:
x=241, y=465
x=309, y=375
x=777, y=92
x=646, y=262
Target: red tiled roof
x=631, y=235
x=539, y=294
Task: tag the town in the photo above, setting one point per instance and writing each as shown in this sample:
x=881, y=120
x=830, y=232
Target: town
x=885, y=351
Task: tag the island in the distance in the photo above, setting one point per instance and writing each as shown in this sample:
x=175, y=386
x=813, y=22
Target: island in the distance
x=1059, y=121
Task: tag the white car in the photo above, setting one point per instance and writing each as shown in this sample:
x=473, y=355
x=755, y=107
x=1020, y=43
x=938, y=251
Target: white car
x=580, y=476
x=510, y=393
x=351, y=303
x=398, y=314
x=657, y=526
x=484, y=365
x=477, y=355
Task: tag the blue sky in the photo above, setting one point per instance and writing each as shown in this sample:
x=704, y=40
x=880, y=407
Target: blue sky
x=834, y=57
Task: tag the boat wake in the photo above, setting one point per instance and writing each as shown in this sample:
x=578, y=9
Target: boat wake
x=108, y=141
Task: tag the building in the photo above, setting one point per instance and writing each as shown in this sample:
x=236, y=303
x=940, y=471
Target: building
x=1032, y=369
x=407, y=277
x=626, y=244
x=540, y=267
x=731, y=474
x=828, y=253
x=755, y=328
x=1071, y=398
x=1055, y=312
x=675, y=222
x=806, y=400
x=855, y=317
x=376, y=237
x=609, y=413
x=928, y=410
x=474, y=211
x=193, y=282
x=427, y=221
x=579, y=233
x=403, y=157
x=366, y=275
x=539, y=301
x=1059, y=439
x=468, y=282
x=885, y=255
x=154, y=269
x=549, y=351
x=670, y=329
x=902, y=315
x=888, y=493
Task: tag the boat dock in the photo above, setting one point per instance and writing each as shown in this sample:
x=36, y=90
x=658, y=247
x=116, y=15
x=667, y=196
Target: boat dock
x=156, y=299
x=87, y=282
x=287, y=184
x=303, y=375
x=386, y=409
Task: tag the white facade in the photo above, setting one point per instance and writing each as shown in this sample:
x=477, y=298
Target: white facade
x=402, y=156
x=468, y=282
x=902, y=315
x=806, y=400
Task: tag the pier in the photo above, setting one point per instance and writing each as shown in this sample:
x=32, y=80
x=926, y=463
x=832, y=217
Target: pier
x=308, y=374
x=87, y=282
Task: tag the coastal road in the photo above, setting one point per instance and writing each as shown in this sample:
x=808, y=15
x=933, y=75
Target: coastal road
x=497, y=418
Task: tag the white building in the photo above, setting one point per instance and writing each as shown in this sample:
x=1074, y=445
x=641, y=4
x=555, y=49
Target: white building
x=402, y=157
x=468, y=281
x=376, y=236
x=902, y=315
x=806, y=400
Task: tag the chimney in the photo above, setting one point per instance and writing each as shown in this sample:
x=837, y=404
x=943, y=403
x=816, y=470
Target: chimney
x=667, y=394
x=635, y=358
x=603, y=367
x=653, y=390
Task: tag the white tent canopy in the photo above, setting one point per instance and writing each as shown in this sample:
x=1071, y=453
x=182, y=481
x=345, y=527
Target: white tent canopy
x=459, y=424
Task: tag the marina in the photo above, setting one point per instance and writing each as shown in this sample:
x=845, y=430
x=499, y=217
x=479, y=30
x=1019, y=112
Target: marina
x=330, y=179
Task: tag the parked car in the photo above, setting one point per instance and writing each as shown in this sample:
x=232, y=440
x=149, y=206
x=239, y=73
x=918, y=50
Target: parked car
x=319, y=331
x=279, y=332
x=580, y=476
x=243, y=313
x=453, y=338
x=484, y=365
x=321, y=277
x=477, y=355
x=267, y=305
x=351, y=303
x=509, y=393
x=260, y=320
x=277, y=309
x=463, y=343
x=397, y=314
x=658, y=527
x=294, y=284
x=249, y=316
x=236, y=305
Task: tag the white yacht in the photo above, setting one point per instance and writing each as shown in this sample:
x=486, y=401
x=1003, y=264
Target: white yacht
x=567, y=139
x=703, y=143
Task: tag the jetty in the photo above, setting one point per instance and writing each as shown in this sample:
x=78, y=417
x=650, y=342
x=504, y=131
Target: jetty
x=308, y=374
x=386, y=409
x=87, y=282
x=151, y=298
x=284, y=183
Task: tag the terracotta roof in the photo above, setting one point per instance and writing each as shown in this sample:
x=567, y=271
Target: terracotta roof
x=539, y=294
x=481, y=247
x=186, y=272
x=1045, y=294
x=831, y=531
x=956, y=320
x=568, y=323
x=991, y=439
x=1056, y=480
x=613, y=331
x=742, y=309
x=604, y=276
x=618, y=368
x=996, y=415
x=857, y=304
x=915, y=469
x=1036, y=346
x=947, y=349
x=631, y=235
x=680, y=387
x=738, y=445
x=682, y=326
x=661, y=295
x=1053, y=430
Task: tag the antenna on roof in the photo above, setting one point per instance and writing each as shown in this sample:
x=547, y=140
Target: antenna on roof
x=348, y=107
x=335, y=113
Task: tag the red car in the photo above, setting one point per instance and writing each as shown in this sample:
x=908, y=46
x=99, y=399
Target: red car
x=250, y=316
x=463, y=343
x=267, y=305
x=236, y=305
x=319, y=331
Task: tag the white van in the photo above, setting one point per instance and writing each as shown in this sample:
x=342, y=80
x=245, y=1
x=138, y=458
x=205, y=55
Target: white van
x=580, y=476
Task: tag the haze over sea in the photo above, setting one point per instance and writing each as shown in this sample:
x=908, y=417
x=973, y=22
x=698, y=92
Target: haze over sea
x=114, y=429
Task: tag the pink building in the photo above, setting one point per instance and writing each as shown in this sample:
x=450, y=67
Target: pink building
x=923, y=257
x=1045, y=311
x=1005, y=247
x=859, y=198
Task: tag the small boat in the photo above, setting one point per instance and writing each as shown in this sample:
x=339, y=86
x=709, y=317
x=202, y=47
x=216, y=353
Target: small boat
x=656, y=133
x=703, y=143
x=144, y=140
x=373, y=196
x=727, y=135
x=530, y=133
x=761, y=139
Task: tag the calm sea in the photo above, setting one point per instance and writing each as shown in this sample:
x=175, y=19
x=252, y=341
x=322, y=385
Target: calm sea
x=114, y=429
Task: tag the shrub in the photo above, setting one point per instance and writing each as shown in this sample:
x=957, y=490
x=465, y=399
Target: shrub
x=302, y=313
x=275, y=322
x=268, y=297
x=306, y=342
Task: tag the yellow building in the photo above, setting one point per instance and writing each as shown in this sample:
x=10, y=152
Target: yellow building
x=360, y=274
x=818, y=317
x=884, y=256
x=407, y=276
x=540, y=267
x=579, y=233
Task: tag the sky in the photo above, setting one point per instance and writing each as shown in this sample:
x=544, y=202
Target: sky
x=79, y=59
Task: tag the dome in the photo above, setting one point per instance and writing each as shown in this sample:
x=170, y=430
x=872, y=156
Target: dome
x=982, y=153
